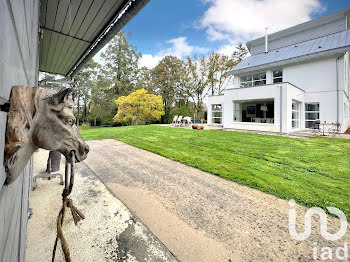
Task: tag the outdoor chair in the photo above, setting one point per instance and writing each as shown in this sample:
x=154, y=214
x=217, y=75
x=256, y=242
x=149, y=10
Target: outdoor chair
x=187, y=120
x=179, y=121
x=334, y=129
x=315, y=128
x=174, y=120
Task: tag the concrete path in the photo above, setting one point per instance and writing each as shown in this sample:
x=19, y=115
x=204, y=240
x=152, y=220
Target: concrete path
x=109, y=232
x=199, y=216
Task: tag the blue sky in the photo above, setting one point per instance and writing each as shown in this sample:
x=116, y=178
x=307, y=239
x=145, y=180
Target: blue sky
x=189, y=27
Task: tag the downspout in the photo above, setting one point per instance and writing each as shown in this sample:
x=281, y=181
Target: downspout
x=281, y=109
x=336, y=69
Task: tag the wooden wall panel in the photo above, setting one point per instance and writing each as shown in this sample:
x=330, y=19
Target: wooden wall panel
x=18, y=65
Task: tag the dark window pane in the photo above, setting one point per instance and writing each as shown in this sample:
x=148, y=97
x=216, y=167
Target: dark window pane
x=278, y=73
x=246, y=84
x=259, y=83
x=259, y=76
x=310, y=124
x=217, y=120
x=277, y=80
x=312, y=116
x=217, y=114
x=312, y=107
x=295, y=115
x=246, y=78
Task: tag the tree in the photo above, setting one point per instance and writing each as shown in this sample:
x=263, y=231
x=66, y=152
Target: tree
x=169, y=81
x=121, y=65
x=83, y=83
x=197, y=81
x=218, y=67
x=239, y=54
x=139, y=108
x=102, y=106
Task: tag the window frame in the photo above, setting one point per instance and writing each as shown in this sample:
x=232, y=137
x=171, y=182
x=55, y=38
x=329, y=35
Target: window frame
x=252, y=81
x=216, y=111
x=308, y=111
x=235, y=110
x=277, y=77
x=297, y=111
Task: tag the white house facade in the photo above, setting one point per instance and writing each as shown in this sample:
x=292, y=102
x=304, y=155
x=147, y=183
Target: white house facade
x=293, y=78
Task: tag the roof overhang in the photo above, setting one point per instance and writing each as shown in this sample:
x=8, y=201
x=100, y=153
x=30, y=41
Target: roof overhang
x=74, y=31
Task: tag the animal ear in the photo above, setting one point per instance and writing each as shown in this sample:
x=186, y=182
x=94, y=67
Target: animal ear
x=61, y=96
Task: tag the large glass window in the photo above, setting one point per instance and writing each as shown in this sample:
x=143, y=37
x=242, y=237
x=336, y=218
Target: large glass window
x=312, y=114
x=253, y=80
x=277, y=76
x=216, y=114
x=237, y=116
x=258, y=111
x=295, y=114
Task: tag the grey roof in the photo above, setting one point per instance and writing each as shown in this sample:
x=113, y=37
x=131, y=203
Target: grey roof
x=75, y=30
x=301, y=27
x=316, y=46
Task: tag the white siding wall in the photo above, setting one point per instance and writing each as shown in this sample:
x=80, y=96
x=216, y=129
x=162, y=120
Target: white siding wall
x=18, y=66
x=318, y=79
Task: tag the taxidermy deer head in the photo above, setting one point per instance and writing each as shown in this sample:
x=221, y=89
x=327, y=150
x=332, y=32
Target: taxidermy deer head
x=40, y=118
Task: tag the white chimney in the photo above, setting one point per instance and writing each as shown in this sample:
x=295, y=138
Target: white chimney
x=266, y=40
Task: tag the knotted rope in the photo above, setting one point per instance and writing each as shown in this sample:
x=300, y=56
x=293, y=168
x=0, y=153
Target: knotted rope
x=77, y=215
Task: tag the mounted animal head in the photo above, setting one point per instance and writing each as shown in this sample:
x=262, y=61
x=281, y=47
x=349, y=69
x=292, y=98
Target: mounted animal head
x=40, y=118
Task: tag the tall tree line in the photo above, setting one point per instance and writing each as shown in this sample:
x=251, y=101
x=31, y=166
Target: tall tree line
x=182, y=83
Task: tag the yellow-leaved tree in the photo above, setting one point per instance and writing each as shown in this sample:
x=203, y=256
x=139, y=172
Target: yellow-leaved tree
x=139, y=108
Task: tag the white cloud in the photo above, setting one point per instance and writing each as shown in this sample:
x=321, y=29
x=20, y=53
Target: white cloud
x=247, y=19
x=214, y=35
x=181, y=48
x=149, y=61
x=178, y=47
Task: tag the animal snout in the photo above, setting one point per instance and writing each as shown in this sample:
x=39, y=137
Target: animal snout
x=86, y=148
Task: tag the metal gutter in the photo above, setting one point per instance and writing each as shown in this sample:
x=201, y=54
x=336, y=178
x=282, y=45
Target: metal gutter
x=337, y=75
x=129, y=10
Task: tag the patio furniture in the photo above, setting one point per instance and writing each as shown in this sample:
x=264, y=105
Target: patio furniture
x=335, y=129
x=315, y=128
x=187, y=120
x=179, y=121
x=174, y=120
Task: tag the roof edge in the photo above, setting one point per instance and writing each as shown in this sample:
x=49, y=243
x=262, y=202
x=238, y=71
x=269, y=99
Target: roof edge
x=130, y=9
x=293, y=60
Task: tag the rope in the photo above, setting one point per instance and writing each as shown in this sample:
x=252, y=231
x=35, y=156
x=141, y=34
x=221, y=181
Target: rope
x=77, y=215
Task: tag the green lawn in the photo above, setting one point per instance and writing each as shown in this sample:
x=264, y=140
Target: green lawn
x=314, y=172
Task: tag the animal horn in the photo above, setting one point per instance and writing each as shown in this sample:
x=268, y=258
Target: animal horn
x=61, y=96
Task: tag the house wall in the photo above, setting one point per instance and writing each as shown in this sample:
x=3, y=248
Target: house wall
x=212, y=100
x=18, y=66
x=282, y=92
x=252, y=93
x=305, y=35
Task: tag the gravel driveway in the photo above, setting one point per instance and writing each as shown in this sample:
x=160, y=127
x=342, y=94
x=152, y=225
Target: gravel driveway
x=199, y=216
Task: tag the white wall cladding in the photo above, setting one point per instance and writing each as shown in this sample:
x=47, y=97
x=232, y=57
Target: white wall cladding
x=214, y=100
x=18, y=65
x=312, y=33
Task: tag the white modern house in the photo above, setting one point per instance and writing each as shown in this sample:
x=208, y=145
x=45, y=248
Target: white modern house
x=292, y=78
